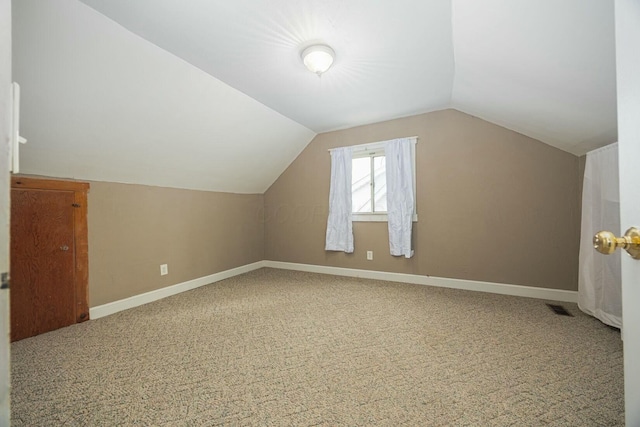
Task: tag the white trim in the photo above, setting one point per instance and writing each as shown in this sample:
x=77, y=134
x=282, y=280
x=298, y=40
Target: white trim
x=373, y=146
x=368, y=150
x=137, y=300
x=374, y=217
x=470, y=285
x=368, y=217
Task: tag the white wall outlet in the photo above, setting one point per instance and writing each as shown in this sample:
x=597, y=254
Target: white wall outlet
x=164, y=269
x=370, y=255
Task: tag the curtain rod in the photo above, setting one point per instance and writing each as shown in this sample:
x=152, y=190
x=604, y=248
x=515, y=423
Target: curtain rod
x=372, y=143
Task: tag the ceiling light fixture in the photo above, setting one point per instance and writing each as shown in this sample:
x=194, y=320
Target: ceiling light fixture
x=318, y=58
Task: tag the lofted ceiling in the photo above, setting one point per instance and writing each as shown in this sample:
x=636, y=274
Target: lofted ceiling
x=544, y=68
x=212, y=94
x=393, y=58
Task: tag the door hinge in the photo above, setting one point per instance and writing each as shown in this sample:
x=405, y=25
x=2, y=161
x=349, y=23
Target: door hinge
x=4, y=280
x=75, y=205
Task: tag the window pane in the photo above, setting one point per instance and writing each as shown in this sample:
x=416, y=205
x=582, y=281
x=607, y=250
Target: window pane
x=361, y=184
x=380, y=184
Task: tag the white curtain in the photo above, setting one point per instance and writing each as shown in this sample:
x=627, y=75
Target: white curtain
x=339, y=225
x=599, y=276
x=400, y=203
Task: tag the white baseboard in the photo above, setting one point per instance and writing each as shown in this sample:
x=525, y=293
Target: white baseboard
x=136, y=300
x=470, y=285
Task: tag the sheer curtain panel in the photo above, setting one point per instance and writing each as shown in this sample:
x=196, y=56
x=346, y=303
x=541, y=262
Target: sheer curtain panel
x=339, y=226
x=599, y=276
x=400, y=199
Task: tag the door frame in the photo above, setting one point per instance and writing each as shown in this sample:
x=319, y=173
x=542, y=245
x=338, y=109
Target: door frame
x=80, y=232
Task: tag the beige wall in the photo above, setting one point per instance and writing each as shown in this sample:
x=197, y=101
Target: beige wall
x=493, y=205
x=135, y=228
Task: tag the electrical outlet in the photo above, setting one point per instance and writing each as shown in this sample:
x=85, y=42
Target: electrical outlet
x=164, y=269
x=370, y=255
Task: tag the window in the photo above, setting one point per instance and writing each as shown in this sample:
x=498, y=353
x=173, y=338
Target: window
x=369, y=182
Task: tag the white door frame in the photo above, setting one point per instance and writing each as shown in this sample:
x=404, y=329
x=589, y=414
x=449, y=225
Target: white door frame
x=6, y=102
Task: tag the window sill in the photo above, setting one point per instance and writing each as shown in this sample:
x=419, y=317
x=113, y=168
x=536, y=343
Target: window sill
x=374, y=217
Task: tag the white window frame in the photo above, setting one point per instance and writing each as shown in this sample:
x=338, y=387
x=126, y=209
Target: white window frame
x=376, y=149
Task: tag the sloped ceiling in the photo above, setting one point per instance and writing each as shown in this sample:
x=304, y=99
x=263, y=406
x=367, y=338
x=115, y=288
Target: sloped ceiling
x=393, y=58
x=544, y=68
x=213, y=94
x=100, y=103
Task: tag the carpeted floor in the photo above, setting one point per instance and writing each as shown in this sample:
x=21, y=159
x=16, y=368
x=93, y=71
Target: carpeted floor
x=277, y=348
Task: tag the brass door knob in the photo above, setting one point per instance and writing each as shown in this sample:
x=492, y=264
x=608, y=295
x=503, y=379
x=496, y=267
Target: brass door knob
x=606, y=242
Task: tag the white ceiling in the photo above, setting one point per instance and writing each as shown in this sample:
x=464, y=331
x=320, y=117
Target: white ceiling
x=393, y=58
x=545, y=68
x=100, y=103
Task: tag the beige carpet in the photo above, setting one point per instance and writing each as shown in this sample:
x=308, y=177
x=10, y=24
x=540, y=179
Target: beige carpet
x=279, y=348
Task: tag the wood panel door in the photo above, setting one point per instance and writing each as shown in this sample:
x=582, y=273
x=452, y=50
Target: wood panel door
x=47, y=289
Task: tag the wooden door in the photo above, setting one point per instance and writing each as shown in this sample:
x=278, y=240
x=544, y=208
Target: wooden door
x=48, y=256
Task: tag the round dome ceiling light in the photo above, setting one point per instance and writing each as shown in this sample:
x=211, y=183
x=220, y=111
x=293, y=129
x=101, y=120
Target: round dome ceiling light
x=318, y=58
